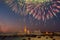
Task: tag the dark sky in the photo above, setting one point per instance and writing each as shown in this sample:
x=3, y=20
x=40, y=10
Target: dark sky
x=11, y=22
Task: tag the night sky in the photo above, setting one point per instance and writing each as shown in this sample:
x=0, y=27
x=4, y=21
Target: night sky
x=13, y=22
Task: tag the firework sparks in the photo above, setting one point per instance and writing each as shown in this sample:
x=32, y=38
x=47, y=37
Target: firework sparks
x=40, y=9
x=18, y=6
x=44, y=10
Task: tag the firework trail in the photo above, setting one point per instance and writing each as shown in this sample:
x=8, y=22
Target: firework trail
x=40, y=9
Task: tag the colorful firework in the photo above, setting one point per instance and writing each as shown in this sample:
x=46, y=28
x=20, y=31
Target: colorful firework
x=18, y=6
x=40, y=9
x=43, y=10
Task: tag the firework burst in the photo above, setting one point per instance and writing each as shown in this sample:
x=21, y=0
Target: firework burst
x=40, y=9
x=18, y=6
x=43, y=10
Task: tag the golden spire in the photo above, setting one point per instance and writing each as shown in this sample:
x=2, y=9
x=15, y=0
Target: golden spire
x=25, y=29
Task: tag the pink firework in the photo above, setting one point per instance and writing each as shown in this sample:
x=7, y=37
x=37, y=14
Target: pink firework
x=40, y=10
x=45, y=10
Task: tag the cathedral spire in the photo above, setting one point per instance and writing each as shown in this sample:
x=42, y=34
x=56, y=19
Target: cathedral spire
x=25, y=29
